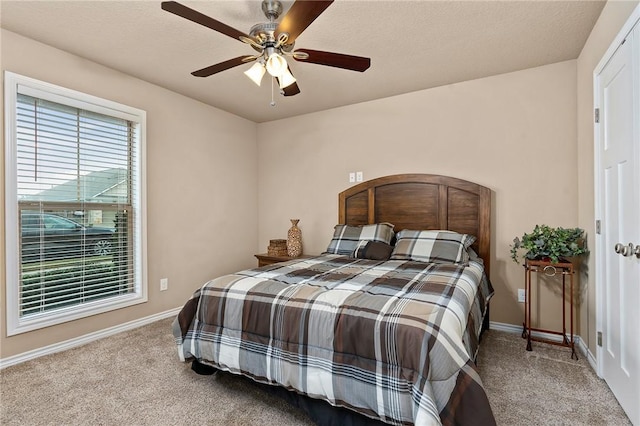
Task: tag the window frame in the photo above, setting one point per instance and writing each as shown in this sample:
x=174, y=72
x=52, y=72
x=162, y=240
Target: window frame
x=73, y=98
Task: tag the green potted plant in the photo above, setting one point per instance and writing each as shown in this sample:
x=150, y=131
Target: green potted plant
x=547, y=243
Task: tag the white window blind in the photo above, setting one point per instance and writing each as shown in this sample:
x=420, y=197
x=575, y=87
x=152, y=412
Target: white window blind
x=77, y=174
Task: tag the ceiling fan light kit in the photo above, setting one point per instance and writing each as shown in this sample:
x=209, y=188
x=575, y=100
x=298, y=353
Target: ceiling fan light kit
x=276, y=64
x=273, y=41
x=286, y=79
x=256, y=72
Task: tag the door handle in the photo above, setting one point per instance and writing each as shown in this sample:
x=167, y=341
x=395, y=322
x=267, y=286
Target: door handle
x=626, y=250
x=629, y=250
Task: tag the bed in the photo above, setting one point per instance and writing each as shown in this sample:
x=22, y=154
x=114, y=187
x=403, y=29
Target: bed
x=384, y=326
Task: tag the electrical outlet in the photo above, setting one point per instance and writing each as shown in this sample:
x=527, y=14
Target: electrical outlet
x=164, y=284
x=359, y=176
x=352, y=177
x=521, y=295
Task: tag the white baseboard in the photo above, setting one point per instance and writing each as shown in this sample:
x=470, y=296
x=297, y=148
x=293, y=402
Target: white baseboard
x=581, y=347
x=593, y=362
x=87, y=338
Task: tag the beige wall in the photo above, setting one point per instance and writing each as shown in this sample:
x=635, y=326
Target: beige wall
x=612, y=18
x=514, y=133
x=201, y=186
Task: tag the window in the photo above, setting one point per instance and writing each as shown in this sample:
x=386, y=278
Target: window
x=75, y=206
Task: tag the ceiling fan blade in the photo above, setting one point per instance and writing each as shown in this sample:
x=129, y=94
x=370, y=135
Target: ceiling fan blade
x=338, y=60
x=197, y=17
x=291, y=90
x=300, y=15
x=213, y=69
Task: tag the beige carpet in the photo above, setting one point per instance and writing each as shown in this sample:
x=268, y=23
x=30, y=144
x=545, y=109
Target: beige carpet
x=544, y=386
x=135, y=378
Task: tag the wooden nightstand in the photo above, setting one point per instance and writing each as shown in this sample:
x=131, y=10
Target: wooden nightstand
x=266, y=259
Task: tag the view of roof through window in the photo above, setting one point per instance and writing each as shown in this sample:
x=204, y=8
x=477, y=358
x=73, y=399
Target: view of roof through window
x=67, y=154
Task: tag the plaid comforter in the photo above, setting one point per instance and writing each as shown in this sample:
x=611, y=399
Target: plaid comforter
x=392, y=340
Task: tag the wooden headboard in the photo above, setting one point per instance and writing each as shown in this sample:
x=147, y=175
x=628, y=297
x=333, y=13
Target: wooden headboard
x=422, y=201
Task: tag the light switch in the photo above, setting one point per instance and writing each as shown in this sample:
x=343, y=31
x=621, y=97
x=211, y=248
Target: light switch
x=352, y=177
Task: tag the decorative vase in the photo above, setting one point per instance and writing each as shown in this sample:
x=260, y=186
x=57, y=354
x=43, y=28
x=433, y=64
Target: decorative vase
x=294, y=239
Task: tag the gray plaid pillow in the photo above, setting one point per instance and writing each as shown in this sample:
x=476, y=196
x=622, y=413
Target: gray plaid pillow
x=346, y=237
x=432, y=246
x=373, y=250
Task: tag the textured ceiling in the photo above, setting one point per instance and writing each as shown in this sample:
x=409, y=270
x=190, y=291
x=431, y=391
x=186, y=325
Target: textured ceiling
x=413, y=45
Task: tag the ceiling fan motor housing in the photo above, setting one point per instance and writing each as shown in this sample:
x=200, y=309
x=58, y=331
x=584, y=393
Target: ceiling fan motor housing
x=263, y=33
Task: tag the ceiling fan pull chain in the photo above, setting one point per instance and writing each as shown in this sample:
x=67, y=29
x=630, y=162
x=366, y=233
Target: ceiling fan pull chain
x=273, y=103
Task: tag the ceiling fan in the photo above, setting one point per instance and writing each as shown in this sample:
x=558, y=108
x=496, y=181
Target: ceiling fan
x=273, y=41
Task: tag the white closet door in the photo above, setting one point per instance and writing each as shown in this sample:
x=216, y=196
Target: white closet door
x=619, y=206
